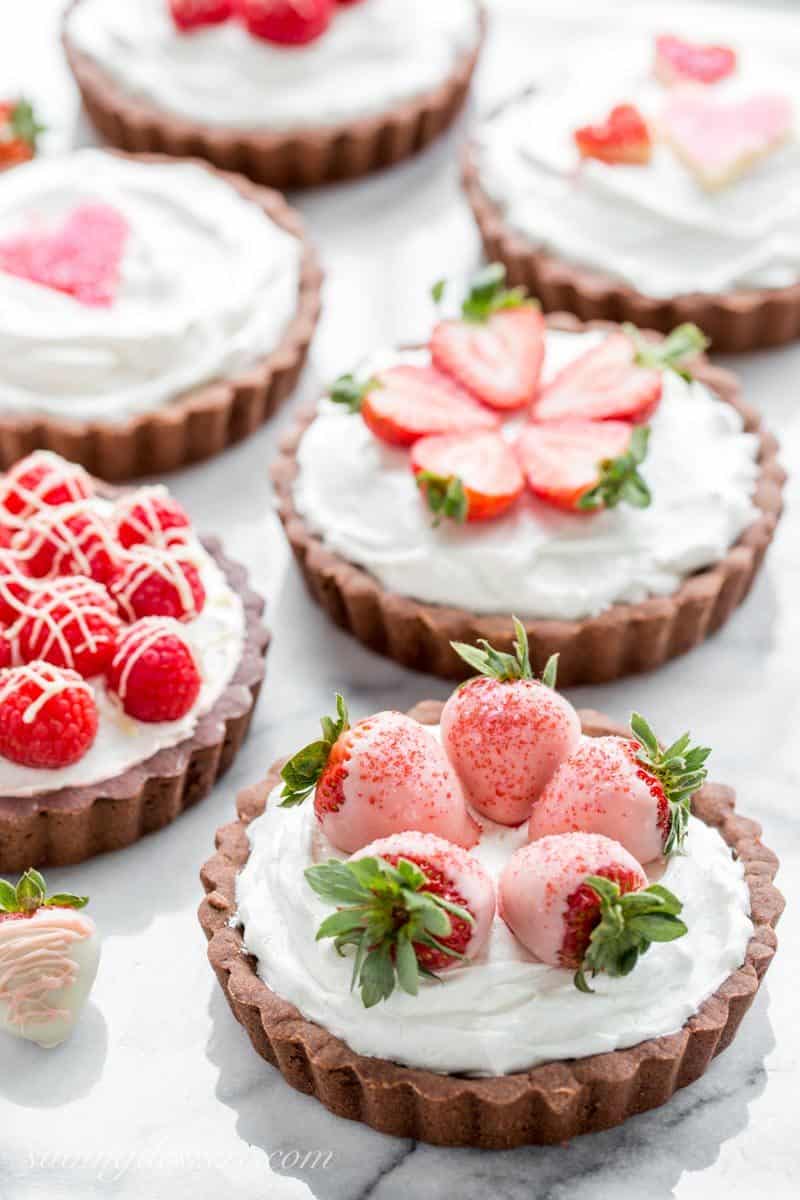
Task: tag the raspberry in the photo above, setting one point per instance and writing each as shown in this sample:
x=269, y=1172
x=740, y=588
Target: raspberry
x=6, y=534
x=154, y=673
x=71, y=540
x=151, y=515
x=285, y=21
x=48, y=717
x=157, y=583
x=6, y=651
x=15, y=587
x=72, y=623
x=42, y=480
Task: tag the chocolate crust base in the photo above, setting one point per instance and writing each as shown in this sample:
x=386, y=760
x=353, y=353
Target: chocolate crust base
x=73, y=824
x=625, y=639
x=207, y=419
x=303, y=157
x=551, y=1103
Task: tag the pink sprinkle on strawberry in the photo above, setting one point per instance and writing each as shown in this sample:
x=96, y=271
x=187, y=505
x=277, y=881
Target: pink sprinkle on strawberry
x=467, y=477
x=157, y=583
x=583, y=466
x=152, y=516
x=286, y=22
x=48, y=716
x=622, y=138
x=189, y=15
x=678, y=61
x=154, y=673
x=71, y=623
x=42, y=480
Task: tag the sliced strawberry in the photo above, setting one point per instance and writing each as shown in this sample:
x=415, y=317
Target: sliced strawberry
x=585, y=465
x=404, y=403
x=195, y=14
x=677, y=60
x=468, y=477
x=622, y=138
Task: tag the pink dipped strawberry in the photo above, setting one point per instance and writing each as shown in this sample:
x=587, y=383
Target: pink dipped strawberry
x=151, y=516
x=505, y=732
x=583, y=466
x=42, y=480
x=679, y=61
x=384, y=775
x=411, y=904
x=197, y=14
x=70, y=623
x=623, y=137
x=495, y=350
x=154, y=674
x=626, y=788
x=581, y=901
x=48, y=716
x=467, y=477
x=286, y=22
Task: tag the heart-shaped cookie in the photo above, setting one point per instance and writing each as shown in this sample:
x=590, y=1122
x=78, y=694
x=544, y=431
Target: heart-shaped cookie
x=677, y=60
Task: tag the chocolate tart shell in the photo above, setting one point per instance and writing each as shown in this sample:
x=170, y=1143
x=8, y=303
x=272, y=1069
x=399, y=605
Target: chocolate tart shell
x=203, y=421
x=73, y=824
x=551, y=1103
x=626, y=639
x=735, y=321
x=303, y=157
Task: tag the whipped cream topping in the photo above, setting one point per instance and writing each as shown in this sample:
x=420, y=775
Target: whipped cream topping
x=208, y=285
x=360, y=497
x=506, y=1011
x=374, y=55
x=652, y=227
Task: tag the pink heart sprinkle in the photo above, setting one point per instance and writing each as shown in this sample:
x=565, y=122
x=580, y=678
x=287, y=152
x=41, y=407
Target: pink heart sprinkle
x=81, y=258
x=718, y=142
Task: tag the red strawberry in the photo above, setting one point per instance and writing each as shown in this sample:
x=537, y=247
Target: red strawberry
x=626, y=788
x=152, y=516
x=19, y=132
x=384, y=775
x=496, y=350
x=42, y=480
x=404, y=403
x=677, y=61
x=412, y=904
x=287, y=22
x=48, y=716
x=622, y=138
x=468, y=477
x=154, y=673
x=68, y=540
x=581, y=901
x=71, y=623
x=583, y=466
x=194, y=14
x=157, y=583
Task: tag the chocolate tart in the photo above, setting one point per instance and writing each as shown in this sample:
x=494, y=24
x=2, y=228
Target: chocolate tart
x=551, y=1103
x=202, y=422
x=625, y=639
x=73, y=824
x=303, y=157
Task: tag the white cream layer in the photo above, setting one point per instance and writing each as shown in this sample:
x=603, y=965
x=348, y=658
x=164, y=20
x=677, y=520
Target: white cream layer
x=372, y=57
x=360, y=497
x=208, y=286
x=652, y=227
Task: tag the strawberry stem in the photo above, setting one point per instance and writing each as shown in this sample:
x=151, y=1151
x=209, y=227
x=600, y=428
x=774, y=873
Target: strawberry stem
x=24, y=124
x=488, y=294
x=628, y=926
x=619, y=479
x=350, y=392
x=301, y=773
x=505, y=667
x=685, y=341
x=30, y=894
x=444, y=495
x=681, y=771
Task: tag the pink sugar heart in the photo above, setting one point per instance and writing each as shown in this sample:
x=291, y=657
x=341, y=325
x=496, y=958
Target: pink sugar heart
x=81, y=258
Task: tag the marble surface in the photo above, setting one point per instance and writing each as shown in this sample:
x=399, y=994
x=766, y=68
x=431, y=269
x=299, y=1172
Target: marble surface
x=159, y=1093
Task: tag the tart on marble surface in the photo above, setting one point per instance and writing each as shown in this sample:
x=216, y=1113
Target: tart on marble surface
x=291, y=95
x=156, y=312
x=131, y=658
x=654, y=181
x=543, y=467
x=526, y=987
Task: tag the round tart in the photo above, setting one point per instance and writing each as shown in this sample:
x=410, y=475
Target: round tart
x=131, y=658
x=522, y=984
x=178, y=304
x=635, y=185
x=360, y=87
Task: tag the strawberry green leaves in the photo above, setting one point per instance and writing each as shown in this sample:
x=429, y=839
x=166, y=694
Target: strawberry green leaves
x=349, y=391
x=487, y=294
x=505, y=667
x=24, y=124
x=444, y=495
x=619, y=479
x=301, y=773
x=685, y=341
x=30, y=894
x=628, y=926
x=681, y=771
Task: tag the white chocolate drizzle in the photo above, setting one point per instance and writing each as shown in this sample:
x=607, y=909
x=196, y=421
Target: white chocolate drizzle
x=51, y=681
x=141, y=562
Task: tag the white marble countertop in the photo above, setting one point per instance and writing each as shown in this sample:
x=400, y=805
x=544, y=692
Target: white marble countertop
x=159, y=1092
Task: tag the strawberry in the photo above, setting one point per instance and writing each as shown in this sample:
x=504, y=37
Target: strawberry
x=70, y=623
x=154, y=673
x=468, y=476
x=581, y=901
x=505, y=732
x=623, y=137
x=19, y=132
x=404, y=403
x=626, y=788
x=679, y=61
x=286, y=22
x=152, y=516
x=42, y=480
x=157, y=583
x=583, y=466
x=411, y=904
x=381, y=776
x=495, y=351
x=48, y=716
x=69, y=540
x=195, y=14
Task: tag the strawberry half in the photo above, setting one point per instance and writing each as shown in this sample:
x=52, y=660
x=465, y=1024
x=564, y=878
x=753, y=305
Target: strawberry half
x=496, y=349
x=622, y=138
x=467, y=477
x=583, y=466
x=679, y=61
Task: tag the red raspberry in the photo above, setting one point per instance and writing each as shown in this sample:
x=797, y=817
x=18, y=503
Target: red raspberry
x=157, y=583
x=6, y=651
x=71, y=623
x=154, y=673
x=67, y=541
x=151, y=515
x=42, y=480
x=48, y=717
x=6, y=534
x=287, y=22
x=193, y=14
x=15, y=587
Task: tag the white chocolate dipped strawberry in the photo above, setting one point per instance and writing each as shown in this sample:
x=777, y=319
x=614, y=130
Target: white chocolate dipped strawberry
x=628, y=789
x=411, y=904
x=581, y=901
x=505, y=732
x=384, y=775
x=49, y=953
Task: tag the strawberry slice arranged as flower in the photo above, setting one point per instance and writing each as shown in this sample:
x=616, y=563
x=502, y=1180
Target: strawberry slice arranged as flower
x=622, y=138
x=584, y=466
x=679, y=61
x=404, y=403
x=19, y=132
x=495, y=351
x=467, y=477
